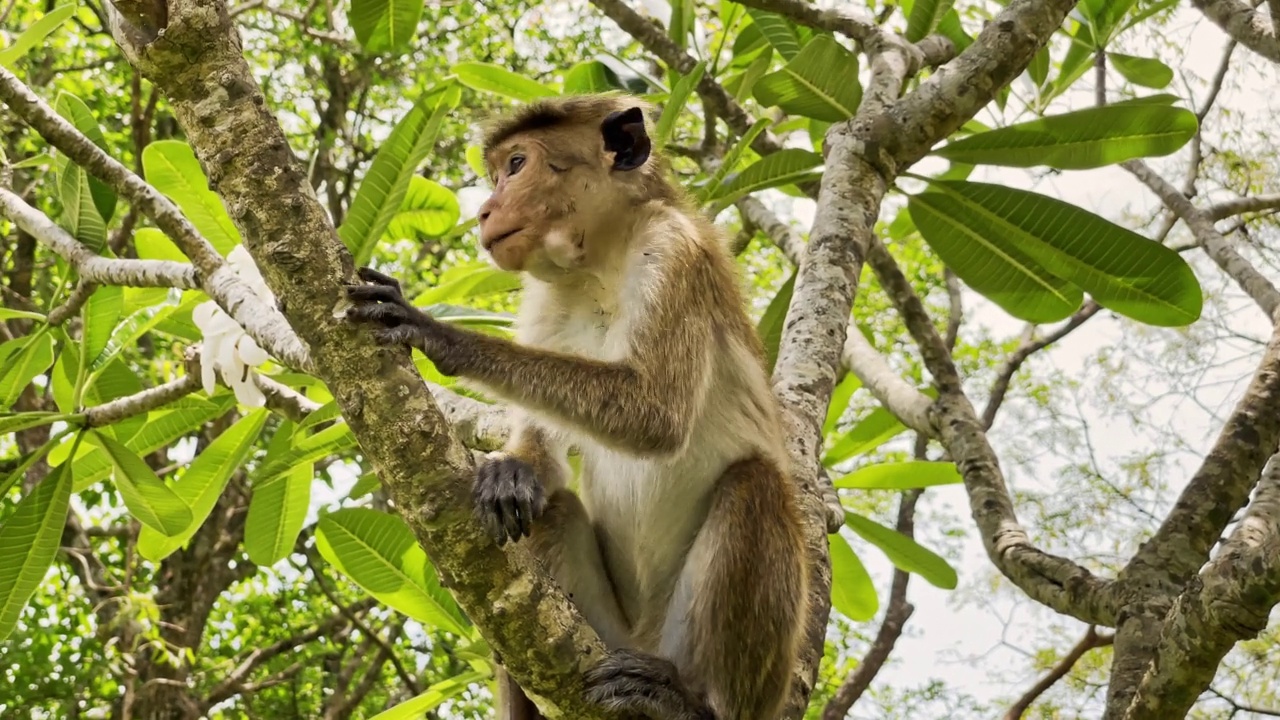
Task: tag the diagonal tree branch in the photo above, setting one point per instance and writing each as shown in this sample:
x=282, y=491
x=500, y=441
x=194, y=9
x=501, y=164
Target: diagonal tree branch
x=1059, y=670
x=1254, y=283
x=1240, y=206
x=92, y=267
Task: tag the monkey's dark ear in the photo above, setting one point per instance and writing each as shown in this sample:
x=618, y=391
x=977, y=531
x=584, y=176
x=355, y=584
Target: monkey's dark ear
x=625, y=137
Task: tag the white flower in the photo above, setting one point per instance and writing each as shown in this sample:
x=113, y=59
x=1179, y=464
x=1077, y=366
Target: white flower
x=226, y=348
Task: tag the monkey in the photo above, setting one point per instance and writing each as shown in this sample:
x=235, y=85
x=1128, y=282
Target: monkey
x=683, y=547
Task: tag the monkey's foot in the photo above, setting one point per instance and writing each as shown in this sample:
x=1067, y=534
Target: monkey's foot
x=628, y=681
x=508, y=497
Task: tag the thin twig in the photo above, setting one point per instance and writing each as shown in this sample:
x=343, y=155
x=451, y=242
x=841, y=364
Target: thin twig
x=1059, y=670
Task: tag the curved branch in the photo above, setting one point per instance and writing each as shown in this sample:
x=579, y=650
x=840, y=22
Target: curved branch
x=1245, y=24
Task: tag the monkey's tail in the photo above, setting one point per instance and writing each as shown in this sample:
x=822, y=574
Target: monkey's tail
x=515, y=705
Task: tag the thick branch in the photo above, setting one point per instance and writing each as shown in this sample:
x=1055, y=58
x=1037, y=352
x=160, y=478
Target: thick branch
x=92, y=267
x=897, y=395
x=1245, y=24
x=1229, y=601
x=786, y=239
x=1254, y=283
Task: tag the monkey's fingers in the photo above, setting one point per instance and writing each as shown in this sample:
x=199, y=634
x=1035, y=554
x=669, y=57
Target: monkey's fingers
x=375, y=293
x=399, y=335
x=370, y=275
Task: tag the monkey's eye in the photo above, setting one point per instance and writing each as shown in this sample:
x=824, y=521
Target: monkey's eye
x=556, y=169
x=514, y=164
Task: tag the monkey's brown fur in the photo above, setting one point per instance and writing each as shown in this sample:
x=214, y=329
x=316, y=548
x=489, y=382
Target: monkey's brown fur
x=684, y=548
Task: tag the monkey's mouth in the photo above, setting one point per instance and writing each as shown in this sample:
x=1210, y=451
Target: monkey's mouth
x=494, y=242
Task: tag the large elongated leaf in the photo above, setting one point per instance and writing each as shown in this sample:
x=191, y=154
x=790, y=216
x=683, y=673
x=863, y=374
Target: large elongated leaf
x=1120, y=269
x=378, y=552
x=781, y=168
x=171, y=166
x=385, y=25
x=333, y=439
x=428, y=209
x=821, y=82
x=590, y=76
x=679, y=96
x=101, y=313
x=488, y=77
x=731, y=158
x=852, y=592
x=904, y=552
x=925, y=16
x=778, y=31
x=147, y=497
x=840, y=397
x=907, y=475
x=29, y=542
x=202, y=483
x=469, y=280
x=992, y=263
x=774, y=317
x=877, y=428
x=78, y=114
x=36, y=34
x=21, y=360
x=79, y=215
x=1078, y=140
x=276, y=514
x=417, y=707
x=1147, y=72
x=385, y=184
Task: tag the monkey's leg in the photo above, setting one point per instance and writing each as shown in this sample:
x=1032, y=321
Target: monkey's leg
x=564, y=541
x=733, y=620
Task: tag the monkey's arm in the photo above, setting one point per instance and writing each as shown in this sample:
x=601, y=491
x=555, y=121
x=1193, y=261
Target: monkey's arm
x=643, y=404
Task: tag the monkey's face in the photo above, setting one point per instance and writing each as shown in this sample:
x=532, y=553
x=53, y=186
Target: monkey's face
x=556, y=187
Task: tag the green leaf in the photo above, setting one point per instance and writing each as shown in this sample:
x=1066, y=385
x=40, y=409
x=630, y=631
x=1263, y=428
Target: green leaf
x=840, y=397
x=487, y=77
x=469, y=280
x=925, y=16
x=101, y=313
x=949, y=27
x=1079, y=140
x=428, y=209
x=331, y=440
x=171, y=166
x=905, y=475
x=367, y=483
x=29, y=542
x=78, y=114
x=152, y=502
x=1038, y=69
x=16, y=422
x=379, y=553
x=746, y=83
x=1147, y=72
x=991, y=263
x=475, y=160
x=586, y=78
x=679, y=96
x=731, y=158
x=385, y=184
x=821, y=82
x=276, y=514
x=11, y=314
x=682, y=22
x=202, y=483
x=877, y=428
x=21, y=360
x=905, y=553
x=36, y=34
x=780, y=168
x=1121, y=270
x=778, y=31
x=31, y=458
x=852, y=592
x=416, y=708
x=153, y=244
x=773, y=319
x=79, y=215
x=385, y=25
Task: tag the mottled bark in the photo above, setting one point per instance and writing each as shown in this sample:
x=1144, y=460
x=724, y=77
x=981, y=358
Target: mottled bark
x=1250, y=27
x=197, y=63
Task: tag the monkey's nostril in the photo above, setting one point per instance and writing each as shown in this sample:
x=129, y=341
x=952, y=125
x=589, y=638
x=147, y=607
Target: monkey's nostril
x=485, y=215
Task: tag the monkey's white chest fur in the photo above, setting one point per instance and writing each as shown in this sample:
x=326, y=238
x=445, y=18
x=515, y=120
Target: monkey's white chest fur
x=648, y=510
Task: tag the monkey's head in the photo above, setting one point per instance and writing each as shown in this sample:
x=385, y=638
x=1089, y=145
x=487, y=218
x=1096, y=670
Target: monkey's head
x=566, y=171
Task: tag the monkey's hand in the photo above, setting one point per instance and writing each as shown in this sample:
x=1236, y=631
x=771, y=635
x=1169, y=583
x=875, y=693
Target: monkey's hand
x=400, y=323
x=629, y=681
x=508, y=497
